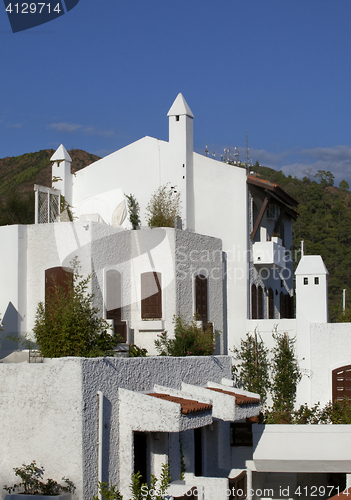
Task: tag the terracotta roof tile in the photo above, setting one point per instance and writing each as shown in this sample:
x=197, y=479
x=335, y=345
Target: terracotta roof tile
x=344, y=494
x=188, y=405
x=240, y=398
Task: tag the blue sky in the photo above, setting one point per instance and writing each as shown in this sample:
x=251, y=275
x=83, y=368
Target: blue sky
x=106, y=73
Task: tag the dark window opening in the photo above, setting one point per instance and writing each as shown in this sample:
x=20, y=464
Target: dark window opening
x=316, y=280
x=201, y=298
x=305, y=281
x=253, y=302
x=198, y=451
x=151, y=296
x=241, y=434
x=177, y=118
x=270, y=304
x=140, y=455
x=260, y=302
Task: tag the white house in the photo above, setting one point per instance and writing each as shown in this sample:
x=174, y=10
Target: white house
x=230, y=260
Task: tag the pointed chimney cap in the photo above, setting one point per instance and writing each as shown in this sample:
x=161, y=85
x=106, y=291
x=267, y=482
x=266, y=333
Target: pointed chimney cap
x=180, y=107
x=61, y=154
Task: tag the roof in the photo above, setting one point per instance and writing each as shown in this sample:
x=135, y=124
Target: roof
x=344, y=494
x=180, y=107
x=61, y=154
x=187, y=405
x=276, y=192
x=311, y=264
x=240, y=398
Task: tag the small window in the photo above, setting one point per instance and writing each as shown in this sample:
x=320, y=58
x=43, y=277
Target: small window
x=316, y=280
x=241, y=434
x=272, y=211
x=305, y=281
x=201, y=298
x=177, y=118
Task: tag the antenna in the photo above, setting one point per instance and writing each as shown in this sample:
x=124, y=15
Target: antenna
x=236, y=156
x=206, y=150
x=247, y=151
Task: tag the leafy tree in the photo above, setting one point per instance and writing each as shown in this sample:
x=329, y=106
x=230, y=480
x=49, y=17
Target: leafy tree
x=286, y=375
x=253, y=371
x=163, y=207
x=325, y=178
x=189, y=339
x=68, y=325
x=344, y=185
x=134, y=210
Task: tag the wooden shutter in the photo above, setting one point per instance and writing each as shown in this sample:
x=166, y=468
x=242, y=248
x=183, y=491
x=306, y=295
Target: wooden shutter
x=201, y=298
x=270, y=304
x=151, y=296
x=260, y=302
x=114, y=302
x=253, y=302
x=341, y=381
x=58, y=276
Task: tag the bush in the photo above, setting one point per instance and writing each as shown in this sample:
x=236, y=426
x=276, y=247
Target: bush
x=163, y=208
x=134, y=211
x=189, y=339
x=68, y=325
x=32, y=483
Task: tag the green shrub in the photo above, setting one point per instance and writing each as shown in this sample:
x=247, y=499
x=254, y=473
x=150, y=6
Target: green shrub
x=163, y=208
x=68, y=325
x=189, y=339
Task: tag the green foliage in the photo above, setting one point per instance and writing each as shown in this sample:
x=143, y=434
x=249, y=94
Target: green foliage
x=325, y=178
x=286, y=375
x=344, y=185
x=253, y=371
x=32, y=484
x=68, y=325
x=189, y=339
x=163, y=208
x=137, y=352
x=338, y=412
x=17, y=208
x=108, y=492
x=65, y=206
x=134, y=210
x=156, y=490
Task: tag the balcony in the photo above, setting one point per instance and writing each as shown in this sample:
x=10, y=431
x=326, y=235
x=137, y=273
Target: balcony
x=269, y=253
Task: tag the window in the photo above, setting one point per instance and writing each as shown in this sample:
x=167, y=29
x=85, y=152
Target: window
x=316, y=280
x=113, y=302
x=177, y=118
x=253, y=302
x=241, y=434
x=260, y=302
x=151, y=296
x=270, y=304
x=201, y=298
x=341, y=383
x=305, y=281
x=282, y=305
x=272, y=211
x=58, y=276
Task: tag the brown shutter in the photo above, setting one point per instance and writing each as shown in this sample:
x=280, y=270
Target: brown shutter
x=341, y=382
x=201, y=298
x=253, y=302
x=114, y=302
x=270, y=304
x=58, y=276
x=151, y=296
x=260, y=302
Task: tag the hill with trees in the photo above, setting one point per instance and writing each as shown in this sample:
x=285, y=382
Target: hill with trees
x=18, y=174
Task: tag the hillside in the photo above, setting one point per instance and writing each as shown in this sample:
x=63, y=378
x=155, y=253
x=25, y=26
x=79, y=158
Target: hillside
x=324, y=224
x=18, y=174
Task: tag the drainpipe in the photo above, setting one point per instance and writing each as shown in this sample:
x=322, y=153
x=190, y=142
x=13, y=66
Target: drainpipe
x=100, y=404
